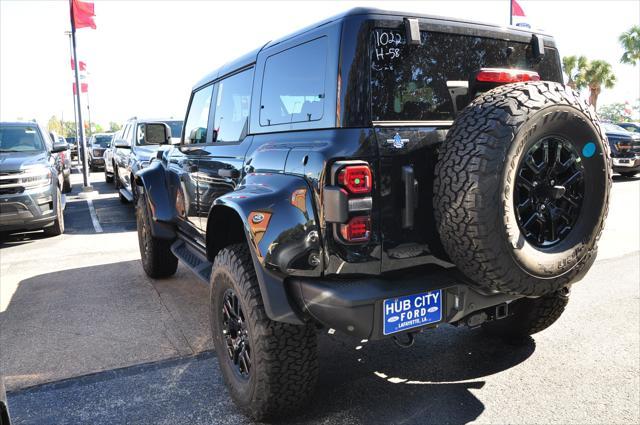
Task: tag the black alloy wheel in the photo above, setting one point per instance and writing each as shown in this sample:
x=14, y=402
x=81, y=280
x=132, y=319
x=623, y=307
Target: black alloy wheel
x=236, y=334
x=549, y=191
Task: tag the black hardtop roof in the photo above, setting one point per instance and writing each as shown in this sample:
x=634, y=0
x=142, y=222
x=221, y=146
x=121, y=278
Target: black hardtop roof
x=250, y=58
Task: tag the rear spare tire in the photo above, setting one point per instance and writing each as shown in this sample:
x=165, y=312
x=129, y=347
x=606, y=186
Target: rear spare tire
x=522, y=188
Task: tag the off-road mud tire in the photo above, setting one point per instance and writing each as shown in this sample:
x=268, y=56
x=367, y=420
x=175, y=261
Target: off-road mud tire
x=283, y=356
x=475, y=179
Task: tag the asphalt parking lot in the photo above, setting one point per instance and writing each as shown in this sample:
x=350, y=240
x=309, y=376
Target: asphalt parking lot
x=86, y=337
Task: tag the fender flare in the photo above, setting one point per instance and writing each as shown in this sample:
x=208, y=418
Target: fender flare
x=153, y=181
x=284, y=238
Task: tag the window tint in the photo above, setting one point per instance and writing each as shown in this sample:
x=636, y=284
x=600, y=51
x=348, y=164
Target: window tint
x=293, y=84
x=196, y=125
x=233, y=100
x=411, y=82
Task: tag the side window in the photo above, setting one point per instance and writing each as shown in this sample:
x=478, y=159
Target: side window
x=233, y=101
x=125, y=132
x=195, y=130
x=293, y=84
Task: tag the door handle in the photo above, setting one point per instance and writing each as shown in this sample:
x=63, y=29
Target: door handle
x=230, y=173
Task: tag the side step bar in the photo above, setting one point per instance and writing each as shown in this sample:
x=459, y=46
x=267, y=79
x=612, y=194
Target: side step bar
x=191, y=257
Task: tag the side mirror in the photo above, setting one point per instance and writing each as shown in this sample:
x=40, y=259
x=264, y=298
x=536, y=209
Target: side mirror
x=156, y=133
x=59, y=147
x=121, y=144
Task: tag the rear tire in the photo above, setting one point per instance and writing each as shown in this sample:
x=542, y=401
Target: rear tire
x=107, y=178
x=283, y=362
x=505, y=230
x=58, y=224
x=529, y=316
x=157, y=259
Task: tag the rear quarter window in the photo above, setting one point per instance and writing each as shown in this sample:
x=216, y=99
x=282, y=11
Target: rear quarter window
x=293, y=85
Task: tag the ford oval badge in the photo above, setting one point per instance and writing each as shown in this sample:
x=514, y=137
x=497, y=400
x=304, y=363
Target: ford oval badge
x=257, y=218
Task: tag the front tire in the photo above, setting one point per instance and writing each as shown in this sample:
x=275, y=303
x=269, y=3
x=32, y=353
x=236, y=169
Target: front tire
x=58, y=224
x=629, y=174
x=269, y=367
x=157, y=259
x=66, y=185
x=107, y=178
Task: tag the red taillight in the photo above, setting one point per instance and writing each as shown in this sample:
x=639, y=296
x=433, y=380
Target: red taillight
x=503, y=75
x=358, y=229
x=355, y=178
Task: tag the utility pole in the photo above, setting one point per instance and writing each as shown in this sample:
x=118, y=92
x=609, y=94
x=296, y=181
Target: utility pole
x=85, y=161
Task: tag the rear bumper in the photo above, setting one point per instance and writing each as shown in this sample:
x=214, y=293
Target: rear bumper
x=355, y=306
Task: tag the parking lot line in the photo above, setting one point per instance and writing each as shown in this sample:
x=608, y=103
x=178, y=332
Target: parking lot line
x=94, y=217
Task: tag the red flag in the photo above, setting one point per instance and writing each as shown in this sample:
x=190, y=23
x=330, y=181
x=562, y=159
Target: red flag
x=81, y=65
x=516, y=10
x=83, y=14
x=84, y=88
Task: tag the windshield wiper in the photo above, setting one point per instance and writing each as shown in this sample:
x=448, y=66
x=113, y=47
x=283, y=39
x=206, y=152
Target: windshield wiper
x=9, y=150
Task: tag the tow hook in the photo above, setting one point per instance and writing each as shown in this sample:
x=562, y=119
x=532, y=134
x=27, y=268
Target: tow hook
x=411, y=339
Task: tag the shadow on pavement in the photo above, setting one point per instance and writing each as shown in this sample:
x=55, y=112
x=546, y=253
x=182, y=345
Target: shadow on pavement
x=64, y=324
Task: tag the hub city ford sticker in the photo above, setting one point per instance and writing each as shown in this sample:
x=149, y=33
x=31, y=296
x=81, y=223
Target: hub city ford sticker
x=412, y=311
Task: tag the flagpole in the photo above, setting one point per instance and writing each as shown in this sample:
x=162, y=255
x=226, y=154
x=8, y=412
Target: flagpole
x=510, y=12
x=85, y=161
x=75, y=115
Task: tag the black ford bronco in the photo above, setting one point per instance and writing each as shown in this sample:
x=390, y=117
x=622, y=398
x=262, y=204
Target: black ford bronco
x=378, y=174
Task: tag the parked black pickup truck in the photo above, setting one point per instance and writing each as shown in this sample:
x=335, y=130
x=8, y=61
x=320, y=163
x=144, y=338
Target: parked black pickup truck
x=378, y=174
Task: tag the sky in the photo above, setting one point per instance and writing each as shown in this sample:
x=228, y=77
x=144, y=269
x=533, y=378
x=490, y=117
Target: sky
x=145, y=56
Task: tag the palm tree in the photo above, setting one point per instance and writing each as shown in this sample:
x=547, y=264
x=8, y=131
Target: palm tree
x=630, y=41
x=574, y=67
x=597, y=74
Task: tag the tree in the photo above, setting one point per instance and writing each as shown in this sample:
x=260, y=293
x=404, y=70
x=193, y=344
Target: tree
x=97, y=128
x=630, y=41
x=615, y=112
x=574, y=67
x=597, y=74
x=114, y=126
x=69, y=129
x=55, y=125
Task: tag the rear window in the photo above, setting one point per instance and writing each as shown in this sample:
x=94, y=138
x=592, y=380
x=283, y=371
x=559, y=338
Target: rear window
x=409, y=82
x=18, y=138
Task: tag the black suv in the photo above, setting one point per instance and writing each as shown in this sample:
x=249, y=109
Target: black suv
x=31, y=179
x=378, y=174
x=134, y=150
